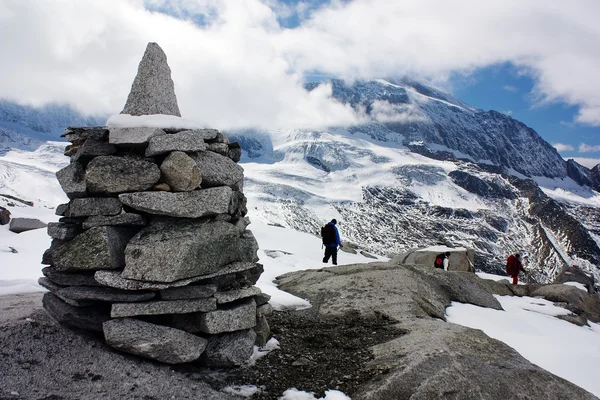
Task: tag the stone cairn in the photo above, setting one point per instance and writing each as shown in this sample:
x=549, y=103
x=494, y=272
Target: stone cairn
x=152, y=249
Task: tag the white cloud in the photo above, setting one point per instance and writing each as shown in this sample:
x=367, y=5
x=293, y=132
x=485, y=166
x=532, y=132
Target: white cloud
x=587, y=162
x=510, y=88
x=508, y=112
x=563, y=147
x=586, y=148
x=241, y=68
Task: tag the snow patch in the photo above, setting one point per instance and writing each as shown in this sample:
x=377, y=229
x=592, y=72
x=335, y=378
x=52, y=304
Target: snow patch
x=295, y=394
x=241, y=390
x=578, y=285
x=529, y=326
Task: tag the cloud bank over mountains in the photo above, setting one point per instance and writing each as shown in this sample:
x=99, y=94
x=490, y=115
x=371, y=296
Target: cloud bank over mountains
x=234, y=64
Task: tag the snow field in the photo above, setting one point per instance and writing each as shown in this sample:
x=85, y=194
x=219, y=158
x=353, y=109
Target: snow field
x=529, y=325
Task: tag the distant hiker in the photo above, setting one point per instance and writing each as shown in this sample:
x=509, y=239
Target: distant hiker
x=514, y=266
x=442, y=261
x=331, y=240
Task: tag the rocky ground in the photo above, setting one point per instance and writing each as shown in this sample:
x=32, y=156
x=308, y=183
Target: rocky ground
x=374, y=332
x=318, y=353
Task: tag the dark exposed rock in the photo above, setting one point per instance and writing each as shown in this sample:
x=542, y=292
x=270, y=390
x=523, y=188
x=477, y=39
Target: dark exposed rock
x=93, y=148
x=97, y=248
x=194, y=204
x=161, y=343
x=62, y=231
x=578, y=173
x=47, y=256
x=229, y=349
x=219, y=148
x=79, y=134
x=152, y=91
x=62, y=209
x=180, y=172
x=262, y=298
x=70, y=278
x=54, y=289
x=91, y=206
x=263, y=331
x=18, y=225
x=111, y=175
x=187, y=306
x=187, y=141
x=235, y=152
x=105, y=294
x=88, y=318
x=72, y=180
x=480, y=187
x=201, y=248
x=4, y=216
x=124, y=219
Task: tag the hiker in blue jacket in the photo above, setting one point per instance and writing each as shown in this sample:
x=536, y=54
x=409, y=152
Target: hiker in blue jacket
x=331, y=240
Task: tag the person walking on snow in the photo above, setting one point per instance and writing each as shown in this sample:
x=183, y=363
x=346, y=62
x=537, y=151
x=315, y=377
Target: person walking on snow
x=514, y=266
x=331, y=240
x=442, y=261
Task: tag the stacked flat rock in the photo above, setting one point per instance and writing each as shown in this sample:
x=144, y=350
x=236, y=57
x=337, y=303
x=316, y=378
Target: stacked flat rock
x=152, y=249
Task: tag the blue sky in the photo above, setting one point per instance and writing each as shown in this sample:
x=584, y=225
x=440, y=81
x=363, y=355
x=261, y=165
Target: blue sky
x=506, y=89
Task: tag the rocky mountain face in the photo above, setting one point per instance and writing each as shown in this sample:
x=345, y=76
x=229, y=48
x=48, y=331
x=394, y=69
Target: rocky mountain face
x=427, y=169
x=423, y=169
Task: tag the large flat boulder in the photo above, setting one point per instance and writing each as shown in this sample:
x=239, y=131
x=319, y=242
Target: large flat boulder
x=112, y=175
x=152, y=91
x=98, y=248
x=187, y=141
x=18, y=225
x=194, y=204
x=430, y=358
x=88, y=318
x=72, y=180
x=84, y=278
x=160, y=343
x=170, y=250
x=229, y=349
x=217, y=170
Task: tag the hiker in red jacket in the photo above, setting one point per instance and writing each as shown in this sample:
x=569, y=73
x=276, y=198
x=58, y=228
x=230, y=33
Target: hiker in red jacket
x=514, y=266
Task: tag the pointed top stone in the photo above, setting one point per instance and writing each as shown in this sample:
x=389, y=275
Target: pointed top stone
x=152, y=91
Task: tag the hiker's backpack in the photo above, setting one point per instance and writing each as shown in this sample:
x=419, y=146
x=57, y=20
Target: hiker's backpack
x=328, y=234
x=439, y=261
